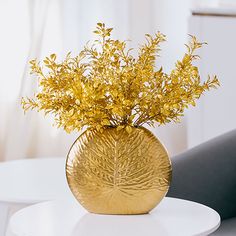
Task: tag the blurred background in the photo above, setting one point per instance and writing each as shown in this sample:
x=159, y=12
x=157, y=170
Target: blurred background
x=37, y=28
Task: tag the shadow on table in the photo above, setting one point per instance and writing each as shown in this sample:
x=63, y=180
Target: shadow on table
x=115, y=225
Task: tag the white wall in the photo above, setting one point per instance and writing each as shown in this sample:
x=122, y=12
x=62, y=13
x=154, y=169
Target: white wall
x=216, y=113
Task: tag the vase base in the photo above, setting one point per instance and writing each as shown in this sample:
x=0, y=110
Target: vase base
x=119, y=214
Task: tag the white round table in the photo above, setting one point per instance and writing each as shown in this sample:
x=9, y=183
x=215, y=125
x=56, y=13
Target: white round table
x=67, y=218
x=29, y=181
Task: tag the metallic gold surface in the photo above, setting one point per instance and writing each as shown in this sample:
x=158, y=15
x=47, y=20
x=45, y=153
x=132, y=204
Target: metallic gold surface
x=116, y=172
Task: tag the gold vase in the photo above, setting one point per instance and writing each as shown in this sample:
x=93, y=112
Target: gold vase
x=116, y=172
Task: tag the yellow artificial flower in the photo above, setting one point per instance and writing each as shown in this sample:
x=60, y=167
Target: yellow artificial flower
x=105, y=86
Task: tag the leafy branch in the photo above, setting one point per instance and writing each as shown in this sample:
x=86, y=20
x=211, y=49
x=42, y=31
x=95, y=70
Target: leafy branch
x=105, y=86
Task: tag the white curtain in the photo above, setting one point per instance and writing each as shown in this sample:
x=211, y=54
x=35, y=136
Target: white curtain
x=37, y=28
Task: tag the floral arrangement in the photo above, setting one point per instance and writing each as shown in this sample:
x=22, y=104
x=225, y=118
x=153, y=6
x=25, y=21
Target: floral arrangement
x=105, y=86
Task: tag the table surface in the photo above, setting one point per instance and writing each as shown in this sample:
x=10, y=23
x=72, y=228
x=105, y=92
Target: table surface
x=66, y=217
x=32, y=180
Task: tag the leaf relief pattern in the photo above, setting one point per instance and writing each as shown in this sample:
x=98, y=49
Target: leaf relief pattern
x=116, y=172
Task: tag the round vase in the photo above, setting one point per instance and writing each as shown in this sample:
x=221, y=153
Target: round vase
x=116, y=172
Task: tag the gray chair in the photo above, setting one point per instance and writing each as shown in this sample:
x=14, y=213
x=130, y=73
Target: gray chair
x=207, y=174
